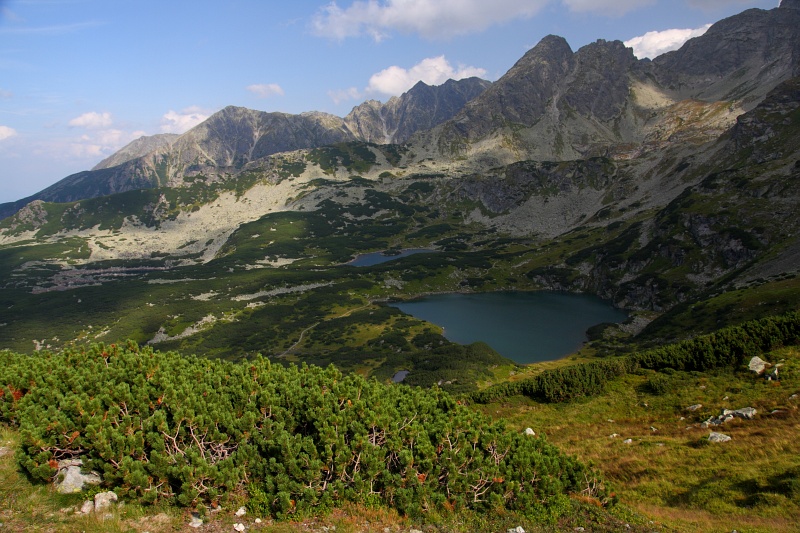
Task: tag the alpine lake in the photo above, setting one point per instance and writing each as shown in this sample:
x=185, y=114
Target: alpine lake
x=526, y=327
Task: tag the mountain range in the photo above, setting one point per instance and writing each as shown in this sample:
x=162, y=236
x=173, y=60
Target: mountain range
x=656, y=184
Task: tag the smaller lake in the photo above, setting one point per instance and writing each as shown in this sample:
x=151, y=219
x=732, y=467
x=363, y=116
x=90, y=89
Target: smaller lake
x=526, y=327
x=376, y=258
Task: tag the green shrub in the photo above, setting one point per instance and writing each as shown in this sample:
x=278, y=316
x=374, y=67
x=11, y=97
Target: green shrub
x=163, y=427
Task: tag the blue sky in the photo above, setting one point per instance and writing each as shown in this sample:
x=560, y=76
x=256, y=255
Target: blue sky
x=79, y=79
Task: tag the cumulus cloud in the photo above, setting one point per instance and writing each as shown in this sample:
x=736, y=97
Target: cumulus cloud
x=101, y=143
x=430, y=18
x=343, y=95
x=92, y=120
x=175, y=122
x=7, y=132
x=265, y=90
x=613, y=7
x=655, y=43
x=433, y=71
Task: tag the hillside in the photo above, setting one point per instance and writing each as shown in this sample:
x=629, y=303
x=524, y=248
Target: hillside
x=235, y=140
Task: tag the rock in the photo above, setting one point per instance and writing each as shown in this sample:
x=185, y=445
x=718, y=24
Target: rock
x=257, y=520
x=718, y=437
x=4, y=451
x=653, y=429
x=517, y=529
x=71, y=480
x=239, y=527
x=757, y=365
x=530, y=432
x=104, y=500
x=772, y=375
x=746, y=413
x=613, y=435
x=195, y=522
x=627, y=441
x=414, y=531
x=87, y=507
x=241, y=511
x=694, y=407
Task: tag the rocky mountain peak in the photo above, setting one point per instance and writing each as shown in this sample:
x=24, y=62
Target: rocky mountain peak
x=420, y=108
x=551, y=46
x=739, y=58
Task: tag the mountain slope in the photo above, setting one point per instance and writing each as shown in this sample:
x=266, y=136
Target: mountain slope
x=419, y=109
x=221, y=146
x=138, y=148
x=556, y=104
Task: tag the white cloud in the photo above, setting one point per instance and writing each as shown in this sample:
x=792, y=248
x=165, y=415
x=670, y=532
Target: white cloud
x=430, y=18
x=265, y=90
x=174, y=122
x=5, y=95
x=655, y=43
x=100, y=144
x=7, y=132
x=608, y=7
x=433, y=71
x=92, y=120
x=342, y=95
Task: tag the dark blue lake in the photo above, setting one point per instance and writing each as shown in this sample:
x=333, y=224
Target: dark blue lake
x=526, y=327
x=376, y=258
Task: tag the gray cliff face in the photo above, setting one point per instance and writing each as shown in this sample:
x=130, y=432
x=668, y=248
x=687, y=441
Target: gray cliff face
x=236, y=136
x=600, y=85
x=367, y=122
x=738, y=58
x=554, y=104
x=558, y=105
x=424, y=107
x=522, y=95
x=138, y=148
x=420, y=108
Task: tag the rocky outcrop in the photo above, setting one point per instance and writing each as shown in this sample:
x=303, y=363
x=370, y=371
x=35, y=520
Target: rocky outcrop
x=746, y=413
